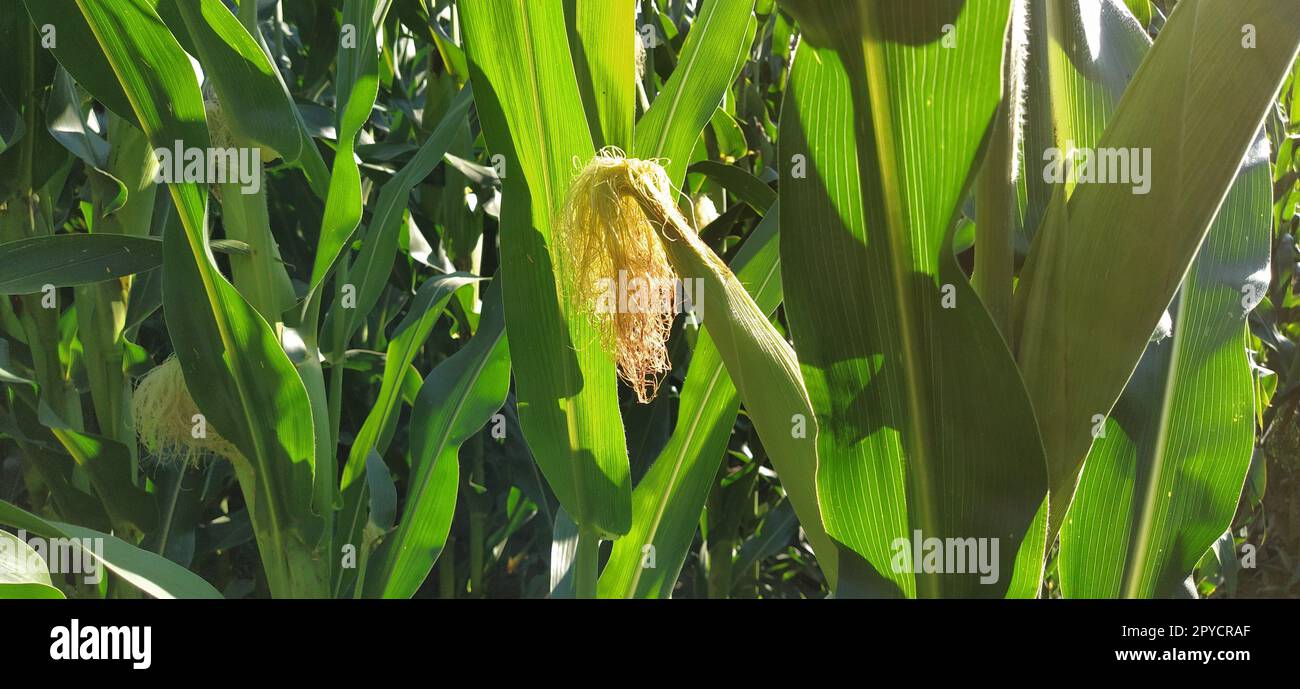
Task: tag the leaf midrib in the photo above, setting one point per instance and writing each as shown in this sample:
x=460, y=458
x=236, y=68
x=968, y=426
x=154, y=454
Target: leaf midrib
x=1134, y=574
x=898, y=250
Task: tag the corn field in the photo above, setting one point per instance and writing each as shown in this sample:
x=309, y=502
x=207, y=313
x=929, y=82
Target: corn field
x=649, y=298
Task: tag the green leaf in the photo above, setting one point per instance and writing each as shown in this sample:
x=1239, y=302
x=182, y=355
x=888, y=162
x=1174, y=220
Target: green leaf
x=564, y=552
x=108, y=465
x=1141, y=9
x=357, y=86
x=7, y=374
x=377, y=430
x=253, y=96
x=65, y=260
x=778, y=528
x=601, y=35
x=64, y=119
x=407, y=340
x=761, y=364
x=69, y=501
x=1094, y=49
x=76, y=48
x=1163, y=482
x=925, y=428
x=531, y=113
x=739, y=182
x=149, y=572
x=457, y=398
x=714, y=52
x=11, y=124
x=374, y=263
x=1081, y=329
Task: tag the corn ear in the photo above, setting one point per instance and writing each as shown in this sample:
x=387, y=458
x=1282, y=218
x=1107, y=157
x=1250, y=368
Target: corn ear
x=761, y=363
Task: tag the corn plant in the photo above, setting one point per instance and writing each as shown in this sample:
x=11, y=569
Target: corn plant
x=645, y=298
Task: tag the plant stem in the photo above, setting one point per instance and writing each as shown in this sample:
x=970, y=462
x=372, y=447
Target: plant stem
x=476, y=520
x=586, y=563
x=478, y=514
x=259, y=275
x=335, y=399
x=447, y=570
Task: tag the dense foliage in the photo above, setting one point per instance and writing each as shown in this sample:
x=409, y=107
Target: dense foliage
x=360, y=366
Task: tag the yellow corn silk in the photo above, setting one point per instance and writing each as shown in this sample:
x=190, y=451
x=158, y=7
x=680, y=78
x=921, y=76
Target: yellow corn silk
x=612, y=231
x=616, y=266
x=168, y=422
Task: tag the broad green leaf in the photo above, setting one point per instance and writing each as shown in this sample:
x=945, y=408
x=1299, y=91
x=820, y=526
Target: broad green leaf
x=715, y=49
x=68, y=126
x=925, y=430
x=456, y=399
x=601, y=35
x=564, y=550
x=11, y=124
x=532, y=115
x=149, y=572
x=778, y=528
x=35, y=162
x=1094, y=49
x=1141, y=9
x=762, y=366
x=65, y=260
x=1038, y=133
x=7, y=374
x=179, y=490
x=108, y=465
x=1163, y=483
x=377, y=430
x=1104, y=267
x=1081, y=55
x=379, y=494
x=382, y=512
x=996, y=186
x=70, y=503
x=245, y=82
x=1164, y=479
x=370, y=274
x=124, y=197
